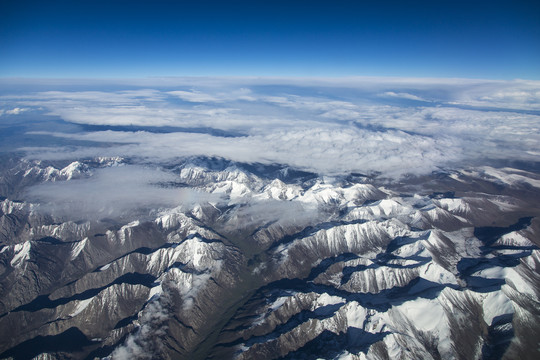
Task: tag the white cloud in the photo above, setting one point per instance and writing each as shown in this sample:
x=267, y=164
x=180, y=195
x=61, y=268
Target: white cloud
x=14, y=111
x=193, y=96
x=255, y=212
x=326, y=150
x=145, y=342
x=328, y=126
x=125, y=191
x=342, y=114
x=214, y=95
x=517, y=95
x=402, y=95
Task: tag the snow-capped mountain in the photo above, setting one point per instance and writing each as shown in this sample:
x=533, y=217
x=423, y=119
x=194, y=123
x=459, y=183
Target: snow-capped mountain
x=259, y=262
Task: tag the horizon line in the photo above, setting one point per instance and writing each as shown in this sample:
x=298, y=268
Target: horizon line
x=346, y=78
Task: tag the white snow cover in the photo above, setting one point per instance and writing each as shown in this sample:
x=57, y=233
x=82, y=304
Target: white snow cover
x=64, y=230
x=515, y=238
x=127, y=230
x=155, y=291
x=278, y=190
x=510, y=276
x=496, y=304
x=9, y=207
x=73, y=169
x=459, y=206
x=162, y=258
x=21, y=253
x=200, y=254
x=511, y=176
x=105, y=267
x=81, y=305
x=49, y=173
x=173, y=219
x=188, y=284
x=77, y=248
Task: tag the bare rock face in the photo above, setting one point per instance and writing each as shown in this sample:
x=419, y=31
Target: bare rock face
x=265, y=268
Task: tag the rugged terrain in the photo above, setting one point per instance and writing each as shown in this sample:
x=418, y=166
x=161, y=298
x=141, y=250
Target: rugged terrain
x=266, y=262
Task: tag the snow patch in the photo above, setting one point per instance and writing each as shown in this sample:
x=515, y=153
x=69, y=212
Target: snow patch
x=81, y=306
x=105, y=267
x=22, y=253
x=155, y=291
x=77, y=248
x=427, y=315
x=496, y=304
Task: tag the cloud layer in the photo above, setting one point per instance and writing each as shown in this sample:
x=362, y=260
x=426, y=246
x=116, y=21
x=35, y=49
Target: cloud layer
x=129, y=190
x=328, y=126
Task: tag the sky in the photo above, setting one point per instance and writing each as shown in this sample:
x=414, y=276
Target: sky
x=137, y=39
x=387, y=89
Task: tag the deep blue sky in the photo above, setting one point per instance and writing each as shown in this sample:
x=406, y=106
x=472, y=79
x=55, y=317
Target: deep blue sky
x=438, y=38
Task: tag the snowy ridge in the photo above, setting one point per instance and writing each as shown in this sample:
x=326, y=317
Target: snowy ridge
x=67, y=230
x=197, y=176
x=278, y=190
x=511, y=176
x=72, y=171
x=370, y=271
x=382, y=256
x=10, y=207
x=78, y=247
x=21, y=253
